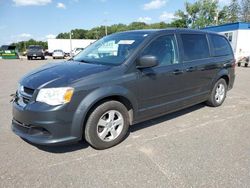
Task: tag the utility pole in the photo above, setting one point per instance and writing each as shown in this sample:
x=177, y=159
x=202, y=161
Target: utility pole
x=106, y=27
x=70, y=39
x=106, y=30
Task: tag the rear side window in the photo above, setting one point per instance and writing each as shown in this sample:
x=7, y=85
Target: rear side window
x=195, y=46
x=221, y=46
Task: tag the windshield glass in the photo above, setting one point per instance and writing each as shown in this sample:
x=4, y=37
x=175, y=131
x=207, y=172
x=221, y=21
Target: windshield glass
x=111, y=50
x=58, y=51
x=35, y=48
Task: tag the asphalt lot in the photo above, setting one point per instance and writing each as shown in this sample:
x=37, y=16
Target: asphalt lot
x=196, y=147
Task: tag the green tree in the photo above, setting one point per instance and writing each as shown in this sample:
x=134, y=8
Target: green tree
x=181, y=20
x=160, y=25
x=233, y=11
x=199, y=14
x=79, y=33
x=222, y=16
x=117, y=28
x=137, y=25
x=63, y=36
x=23, y=45
x=245, y=10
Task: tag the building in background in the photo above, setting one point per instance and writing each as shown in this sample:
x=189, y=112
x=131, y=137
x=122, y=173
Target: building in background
x=238, y=35
x=64, y=44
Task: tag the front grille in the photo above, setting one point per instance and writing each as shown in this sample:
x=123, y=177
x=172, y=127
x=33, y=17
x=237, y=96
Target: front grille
x=26, y=100
x=24, y=95
x=28, y=90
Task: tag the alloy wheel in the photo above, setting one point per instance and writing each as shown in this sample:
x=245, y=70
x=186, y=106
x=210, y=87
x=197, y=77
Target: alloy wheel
x=110, y=125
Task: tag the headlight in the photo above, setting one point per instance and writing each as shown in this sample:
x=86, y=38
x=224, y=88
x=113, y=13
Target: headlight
x=55, y=96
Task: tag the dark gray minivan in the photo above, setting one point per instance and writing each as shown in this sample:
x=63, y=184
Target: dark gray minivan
x=120, y=80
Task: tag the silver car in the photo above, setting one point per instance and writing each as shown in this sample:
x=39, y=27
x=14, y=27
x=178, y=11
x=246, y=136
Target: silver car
x=58, y=54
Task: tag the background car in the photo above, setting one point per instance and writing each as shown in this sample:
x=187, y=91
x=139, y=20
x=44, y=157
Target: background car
x=58, y=54
x=244, y=60
x=35, y=51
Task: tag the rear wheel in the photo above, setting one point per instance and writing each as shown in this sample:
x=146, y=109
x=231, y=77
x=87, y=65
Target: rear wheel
x=218, y=93
x=107, y=125
x=239, y=64
x=246, y=64
x=42, y=57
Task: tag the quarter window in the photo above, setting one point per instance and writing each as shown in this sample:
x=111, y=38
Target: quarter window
x=195, y=46
x=164, y=49
x=220, y=45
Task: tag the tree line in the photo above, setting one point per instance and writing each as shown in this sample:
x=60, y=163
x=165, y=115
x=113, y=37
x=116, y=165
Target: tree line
x=200, y=14
x=23, y=45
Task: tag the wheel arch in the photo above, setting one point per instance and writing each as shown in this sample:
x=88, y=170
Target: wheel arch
x=226, y=78
x=125, y=101
x=224, y=74
x=97, y=97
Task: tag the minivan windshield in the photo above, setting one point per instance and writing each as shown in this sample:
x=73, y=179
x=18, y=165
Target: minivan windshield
x=111, y=50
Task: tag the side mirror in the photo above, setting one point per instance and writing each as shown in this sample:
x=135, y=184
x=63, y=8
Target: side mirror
x=147, y=61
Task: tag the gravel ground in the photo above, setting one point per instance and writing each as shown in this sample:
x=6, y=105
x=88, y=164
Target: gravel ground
x=196, y=147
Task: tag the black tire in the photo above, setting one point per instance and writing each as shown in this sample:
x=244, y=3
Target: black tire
x=29, y=58
x=211, y=100
x=246, y=64
x=239, y=64
x=91, y=135
x=43, y=58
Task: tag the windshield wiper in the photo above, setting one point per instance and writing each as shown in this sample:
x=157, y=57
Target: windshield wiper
x=84, y=61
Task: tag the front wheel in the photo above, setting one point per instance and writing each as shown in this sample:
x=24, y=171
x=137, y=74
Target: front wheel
x=107, y=125
x=218, y=93
x=246, y=64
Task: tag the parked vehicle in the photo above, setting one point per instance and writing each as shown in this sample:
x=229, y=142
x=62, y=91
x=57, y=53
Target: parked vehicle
x=76, y=51
x=97, y=97
x=244, y=61
x=58, y=54
x=35, y=51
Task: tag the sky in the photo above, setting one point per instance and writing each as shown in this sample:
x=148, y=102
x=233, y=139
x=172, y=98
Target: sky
x=43, y=19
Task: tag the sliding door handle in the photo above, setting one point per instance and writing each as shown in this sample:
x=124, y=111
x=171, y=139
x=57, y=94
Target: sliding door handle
x=177, y=71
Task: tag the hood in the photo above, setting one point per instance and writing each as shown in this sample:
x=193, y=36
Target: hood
x=61, y=74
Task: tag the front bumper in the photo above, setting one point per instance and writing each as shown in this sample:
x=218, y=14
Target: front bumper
x=58, y=56
x=44, y=125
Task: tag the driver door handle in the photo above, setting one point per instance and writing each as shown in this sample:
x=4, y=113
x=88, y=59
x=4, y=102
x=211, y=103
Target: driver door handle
x=190, y=69
x=177, y=71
